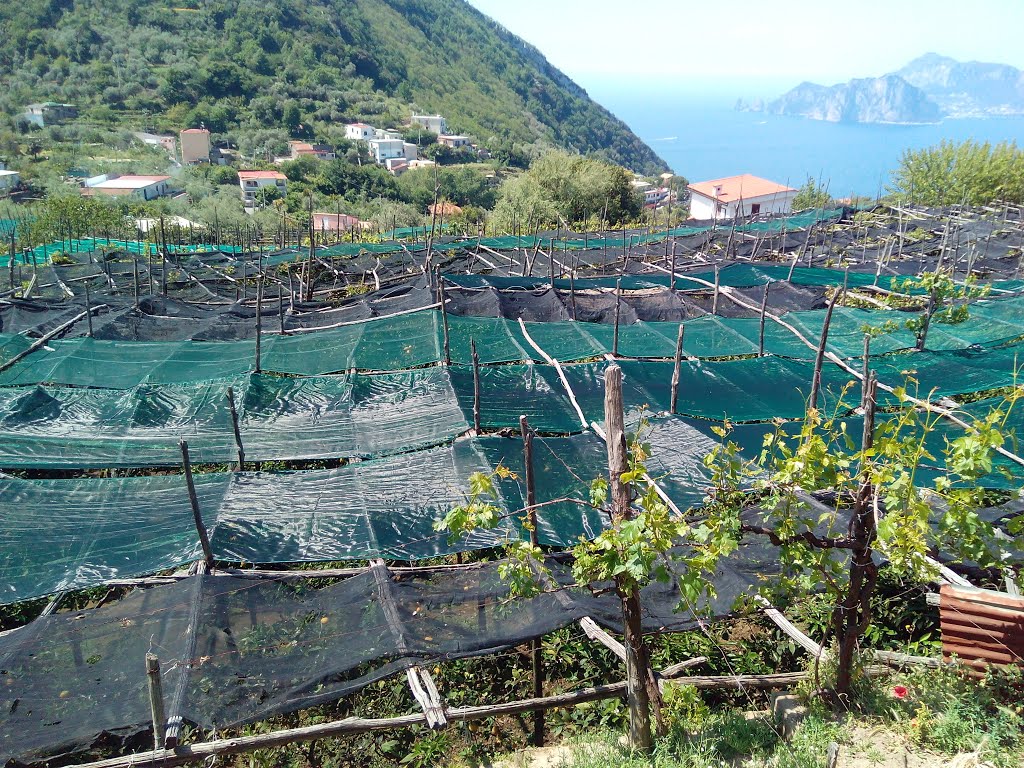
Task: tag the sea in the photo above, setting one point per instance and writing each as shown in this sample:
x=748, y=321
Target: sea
x=702, y=136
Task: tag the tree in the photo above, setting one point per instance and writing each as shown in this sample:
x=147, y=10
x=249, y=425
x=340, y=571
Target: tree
x=629, y=553
x=879, y=503
x=812, y=195
x=966, y=172
x=942, y=293
x=571, y=187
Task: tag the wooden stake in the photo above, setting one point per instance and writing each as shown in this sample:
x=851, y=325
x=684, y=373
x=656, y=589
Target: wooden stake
x=820, y=357
x=676, y=370
x=531, y=515
x=444, y=318
x=637, y=662
x=476, y=386
x=618, y=303
x=764, y=310
x=672, y=274
x=235, y=426
x=156, y=700
x=135, y=269
x=714, y=300
x=197, y=516
x=88, y=307
x=259, y=321
x=280, y=306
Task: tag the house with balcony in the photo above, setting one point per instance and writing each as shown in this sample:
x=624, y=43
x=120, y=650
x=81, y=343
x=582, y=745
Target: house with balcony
x=453, y=141
x=433, y=123
x=255, y=183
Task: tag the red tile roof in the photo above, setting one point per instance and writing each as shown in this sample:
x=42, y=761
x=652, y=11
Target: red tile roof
x=261, y=175
x=743, y=187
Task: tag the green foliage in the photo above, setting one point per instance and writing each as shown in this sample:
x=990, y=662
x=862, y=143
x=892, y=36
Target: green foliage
x=302, y=68
x=812, y=195
x=559, y=186
x=966, y=172
x=946, y=302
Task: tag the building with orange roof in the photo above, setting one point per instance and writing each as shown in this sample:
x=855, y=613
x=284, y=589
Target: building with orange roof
x=739, y=196
x=253, y=182
x=141, y=187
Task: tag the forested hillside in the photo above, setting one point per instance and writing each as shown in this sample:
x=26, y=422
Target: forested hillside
x=306, y=66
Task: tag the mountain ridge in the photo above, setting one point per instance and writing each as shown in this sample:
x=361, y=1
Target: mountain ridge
x=242, y=67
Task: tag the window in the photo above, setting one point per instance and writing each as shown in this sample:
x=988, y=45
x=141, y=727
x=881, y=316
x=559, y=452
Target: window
x=755, y=209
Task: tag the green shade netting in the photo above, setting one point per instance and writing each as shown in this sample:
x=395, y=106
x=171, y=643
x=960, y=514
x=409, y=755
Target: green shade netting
x=510, y=391
x=416, y=339
x=68, y=534
x=279, y=419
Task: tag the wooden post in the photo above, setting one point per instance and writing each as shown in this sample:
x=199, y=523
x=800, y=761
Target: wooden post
x=672, y=274
x=637, y=661
x=444, y=318
x=867, y=357
x=197, y=516
x=135, y=274
x=764, y=310
x=235, y=426
x=280, y=306
x=572, y=290
x=88, y=307
x=676, y=370
x=476, y=386
x=820, y=357
x=259, y=320
x=531, y=516
x=156, y=700
x=714, y=299
x=618, y=303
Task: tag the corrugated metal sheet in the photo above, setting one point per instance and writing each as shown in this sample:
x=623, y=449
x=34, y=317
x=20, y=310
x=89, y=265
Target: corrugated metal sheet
x=981, y=627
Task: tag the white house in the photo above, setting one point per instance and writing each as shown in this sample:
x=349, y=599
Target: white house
x=738, y=196
x=387, y=149
x=141, y=187
x=453, y=141
x=8, y=181
x=252, y=182
x=360, y=132
x=433, y=123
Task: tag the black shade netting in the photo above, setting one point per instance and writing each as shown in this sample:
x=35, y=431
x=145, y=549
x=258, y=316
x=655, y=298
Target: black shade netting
x=237, y=650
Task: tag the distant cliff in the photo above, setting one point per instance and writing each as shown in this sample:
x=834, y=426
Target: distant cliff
x=887, y=99
x=967, y=89
x=926, y=90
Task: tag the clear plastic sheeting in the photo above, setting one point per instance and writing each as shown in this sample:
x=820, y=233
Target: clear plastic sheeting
x=240, y=650
x=280, y=418
x=63, y=534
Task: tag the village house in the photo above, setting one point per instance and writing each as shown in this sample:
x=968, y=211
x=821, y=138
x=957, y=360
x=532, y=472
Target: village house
x=140, y=187
x=49, y=113
x=433, y=123
x=8, y=181
x=387, y=149
x=738, y=196
x=453, y=141
x=304, y=149
x=360, y=132
x=253, y=183
x=195, y=146
x=338, y=222
x=167, y=143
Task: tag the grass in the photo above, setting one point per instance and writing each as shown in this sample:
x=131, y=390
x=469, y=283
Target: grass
x=942, y=715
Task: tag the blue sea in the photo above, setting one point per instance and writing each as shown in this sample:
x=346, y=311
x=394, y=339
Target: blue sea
x=702, y=136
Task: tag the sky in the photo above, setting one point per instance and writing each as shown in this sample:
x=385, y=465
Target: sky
x=598, y=41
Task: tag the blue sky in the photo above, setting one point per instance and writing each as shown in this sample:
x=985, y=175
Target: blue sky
x=595, y=41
